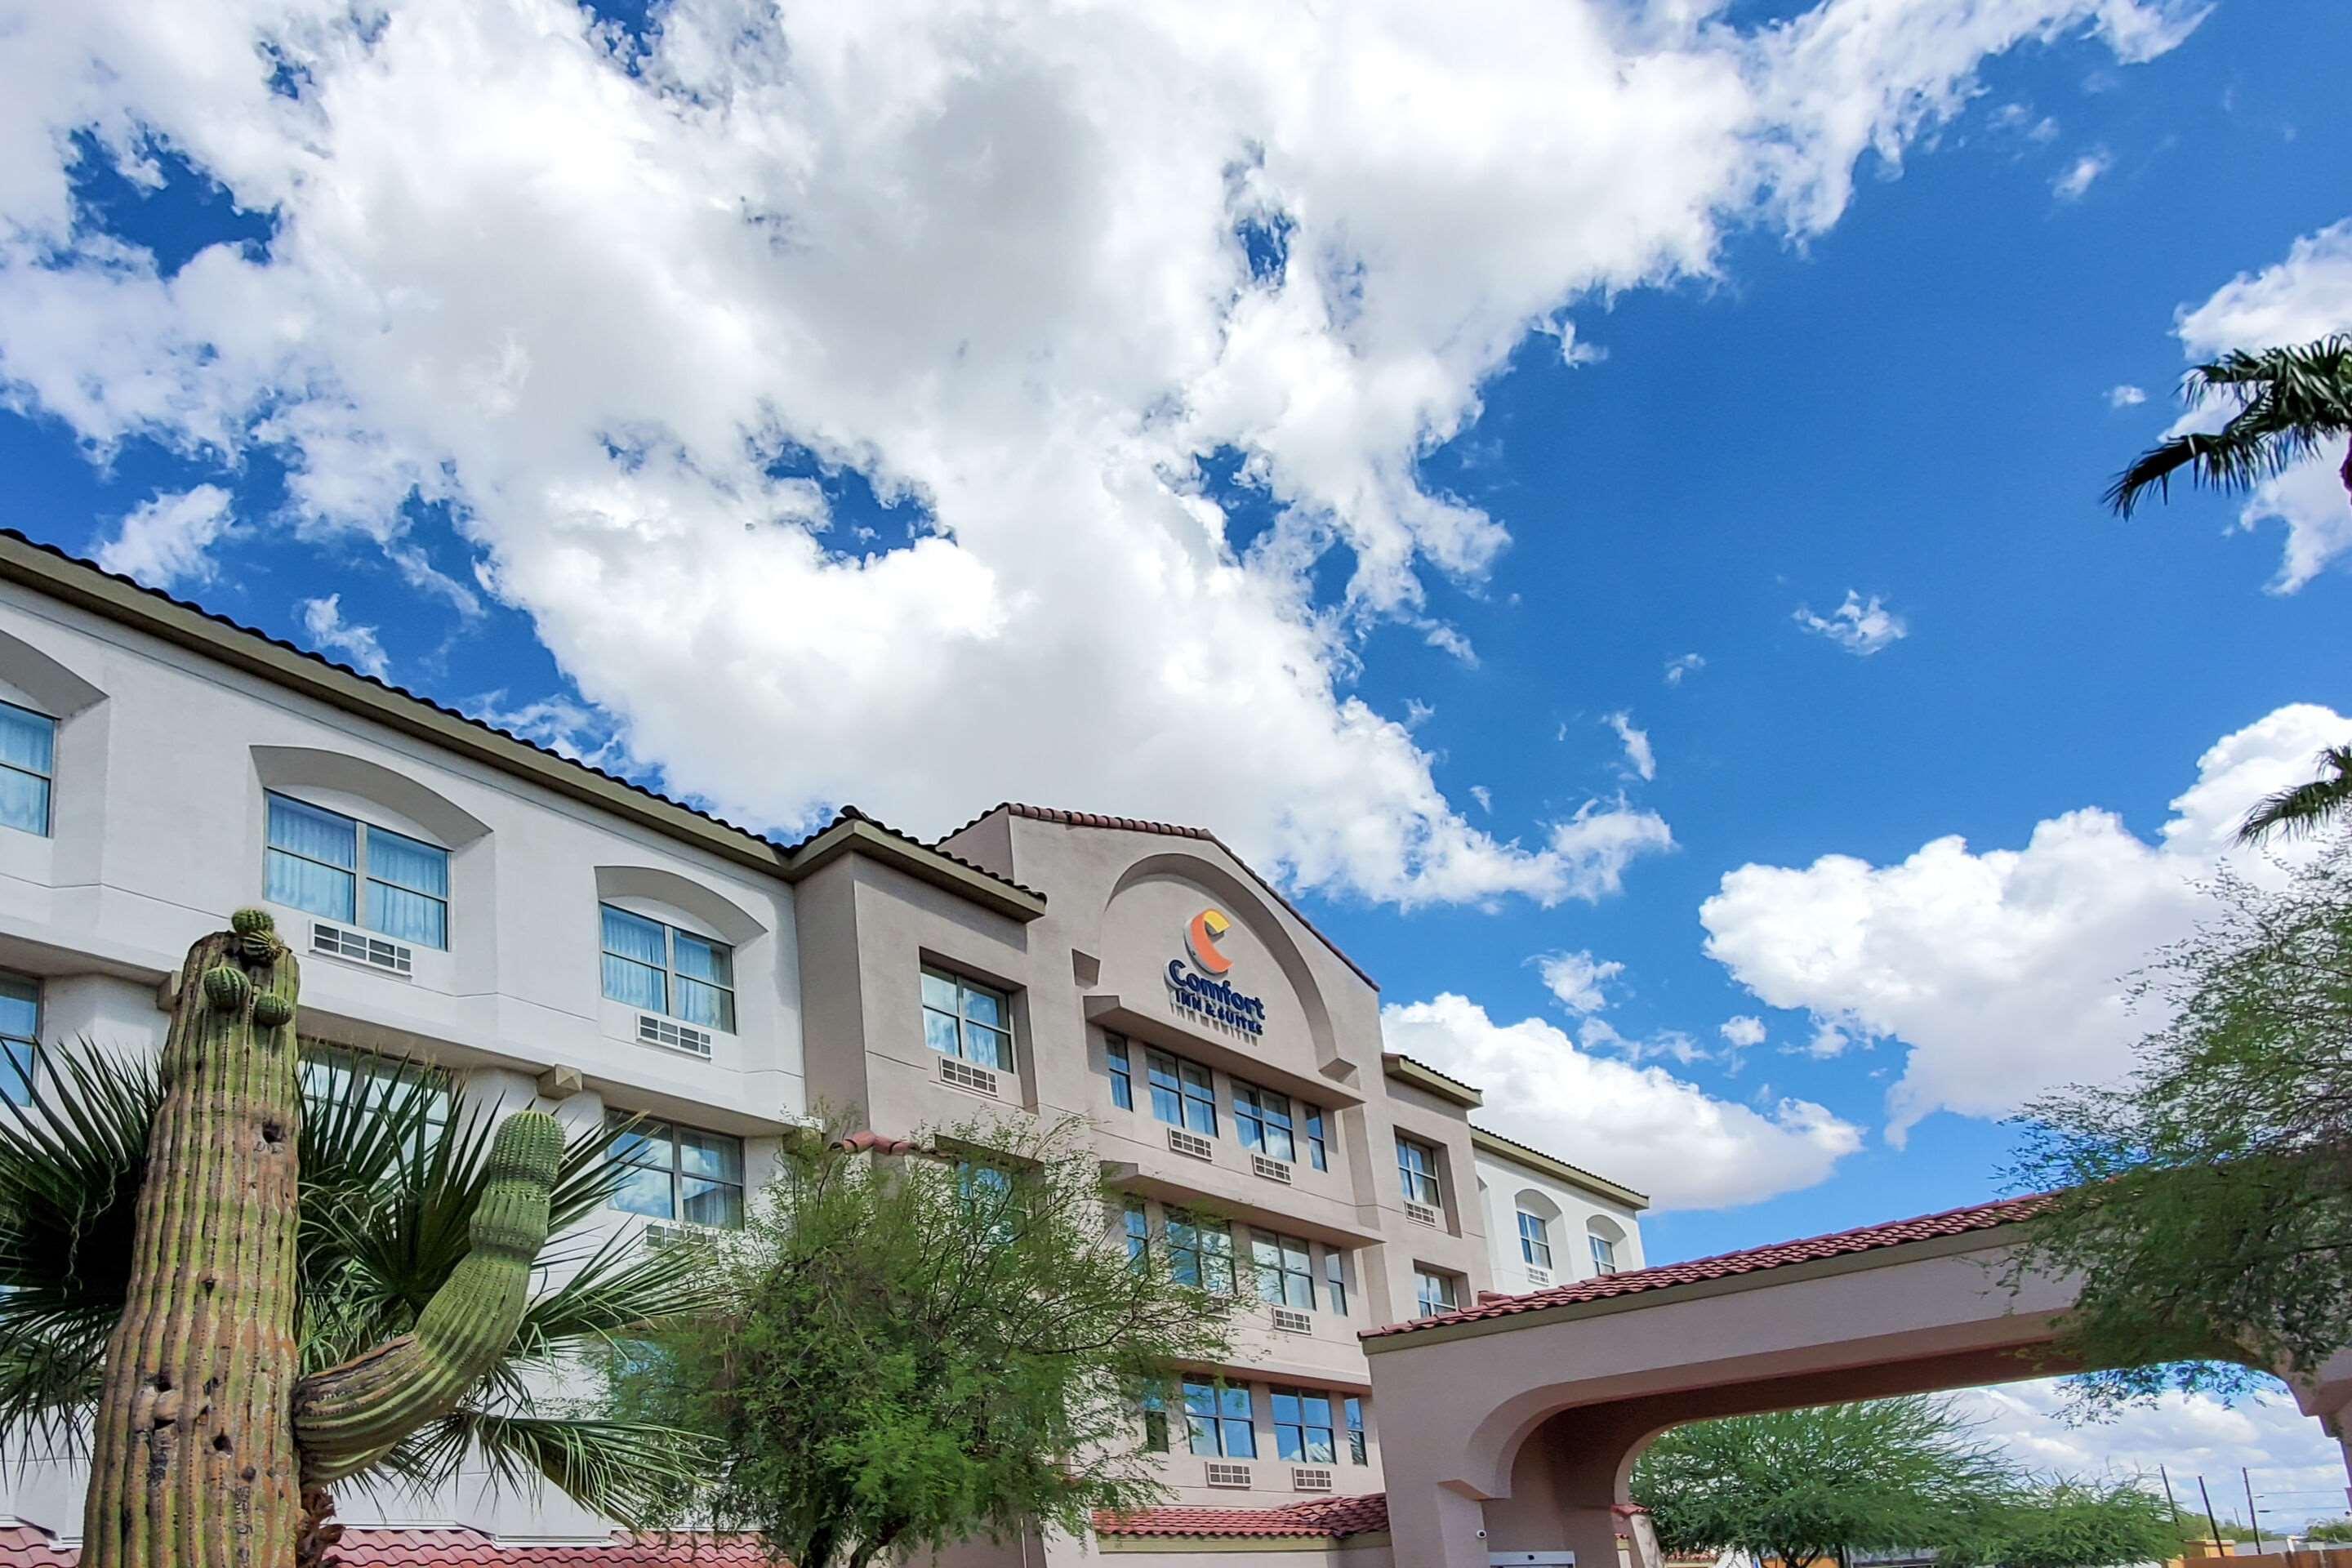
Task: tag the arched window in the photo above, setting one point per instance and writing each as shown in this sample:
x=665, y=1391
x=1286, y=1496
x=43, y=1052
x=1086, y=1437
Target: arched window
x=37, y=696
x=353, y=841
x=668, y=945
x=1536, y=1214
x=1606, y=1238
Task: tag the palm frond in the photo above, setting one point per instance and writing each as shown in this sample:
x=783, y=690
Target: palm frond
x=2303, y=809
x=2290, y=401
x=618, y=1292
x=626, y=1470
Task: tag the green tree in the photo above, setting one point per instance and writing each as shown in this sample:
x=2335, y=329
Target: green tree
x=2329, y=1529
x=2205, y=1200
x=390, y=1181
x=2062, y=1522
x=2290, y=401
x=1806, y=1485
x=914, y=1349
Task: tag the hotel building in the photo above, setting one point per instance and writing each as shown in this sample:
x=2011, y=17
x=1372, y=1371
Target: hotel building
x=552, y=935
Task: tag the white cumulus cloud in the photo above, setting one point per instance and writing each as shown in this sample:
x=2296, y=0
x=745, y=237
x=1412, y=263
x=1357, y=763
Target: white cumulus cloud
x=2125, y=397
x=604, y=304
x=1860, y=628
x=2076, y=180
x=1640, y=1125
x=2004, y=971
x=1578, y=979
x=1638, y=757
x=1742, y=1031
x=329, y=632
x=2307, y=296
x=1683, y=664
x=166, y=541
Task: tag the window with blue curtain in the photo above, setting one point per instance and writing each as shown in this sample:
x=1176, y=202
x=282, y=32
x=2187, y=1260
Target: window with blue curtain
x=345, y=869
x=20, y=1035
x=664, y=970
x=28, y=746
x=1535, y=1240
x=675, y=1172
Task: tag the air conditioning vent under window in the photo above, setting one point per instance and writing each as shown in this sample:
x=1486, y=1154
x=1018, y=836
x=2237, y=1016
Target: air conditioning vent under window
x=1304, y=1480
x=1236, y=1475
x=1291, y=1320
x=1538, y=1279
x=962, y=1075
x=341, y=941
x=1192, y=1143
x=1272, y=1170
x=660, y=1237
x=1420, y=1213
x=653, y=1031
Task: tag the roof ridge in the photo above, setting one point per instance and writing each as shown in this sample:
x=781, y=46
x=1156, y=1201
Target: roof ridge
x=1066, y=818
x=1958, y=1221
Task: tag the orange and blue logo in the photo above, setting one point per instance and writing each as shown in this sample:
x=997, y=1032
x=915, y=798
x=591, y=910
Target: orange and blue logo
x=1201, y=940
x=1203, y=990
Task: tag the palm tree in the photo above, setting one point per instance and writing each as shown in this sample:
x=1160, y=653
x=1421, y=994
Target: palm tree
x=2291, y=401
x=2304, y=808
x=389, y=1178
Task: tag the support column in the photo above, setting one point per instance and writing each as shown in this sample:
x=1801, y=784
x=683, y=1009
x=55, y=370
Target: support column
x=1433, y=1526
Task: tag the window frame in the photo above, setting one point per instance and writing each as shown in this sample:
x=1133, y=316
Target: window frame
x=1312, y=1128
x=966, y=987
x=364, y=878
x=1291, y=1272
x=1135, y=1220
x=1604, y=1252
x=1258, y=1114
x=1153, y=1403
x=1119, y=1055
x=1182, y=1091
x=1302, y=1425
x=643, y=1128
x=48, y=780
x=1421, y=1181
x=1188, y=1237
x=671, y=974
x=1539, y=1242
x=1351, y=1411
x=1335, y=1278
x=1222, y=1419
x=20, y=1053
x=1445, y=1298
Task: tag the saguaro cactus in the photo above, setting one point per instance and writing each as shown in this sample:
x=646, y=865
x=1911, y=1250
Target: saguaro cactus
x=207, y=1431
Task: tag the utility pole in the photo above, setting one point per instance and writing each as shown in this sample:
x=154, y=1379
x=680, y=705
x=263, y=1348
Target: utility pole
x=2253, y=1514
x=2179, y=1528
x=2203, y=1492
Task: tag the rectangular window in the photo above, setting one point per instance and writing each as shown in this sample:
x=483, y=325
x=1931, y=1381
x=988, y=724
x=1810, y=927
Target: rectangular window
x=1335, y=1278
x=1121, y=1058
x=1358, y=1451
x=20, y=1037
x=1417, y=1164
x=1200, y=1252
x=1604, y=1253
x=1535, y=1240
x=1302, y=1426
x=369, y=1084
x=1154, y=1404
x=1218, y=1414
x=663, y=969
x=965, y=1019
x=1433, y=1292
x=342, y=868
x=1284, y=1274
x=1182, y=1093
x=677, y=1173
x=1139, y=1232
x=1263, y=1118
x=1317, y=1155
x=29, y=749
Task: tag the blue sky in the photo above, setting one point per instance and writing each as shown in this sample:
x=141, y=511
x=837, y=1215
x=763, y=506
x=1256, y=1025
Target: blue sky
x=1333, y=435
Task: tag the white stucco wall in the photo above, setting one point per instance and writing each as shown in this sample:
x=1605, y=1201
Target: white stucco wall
x=1573, y=1212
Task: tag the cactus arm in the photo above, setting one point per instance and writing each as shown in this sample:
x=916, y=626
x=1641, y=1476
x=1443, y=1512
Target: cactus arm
x=348, y=1416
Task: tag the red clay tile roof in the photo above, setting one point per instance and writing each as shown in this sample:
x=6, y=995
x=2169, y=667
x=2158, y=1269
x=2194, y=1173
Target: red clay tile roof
x=24, y=1546
x=1172, y=830
x=1335, y=1517
x=1868, y=1238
